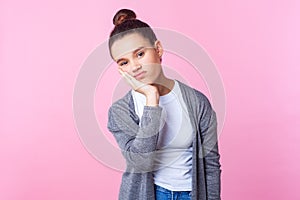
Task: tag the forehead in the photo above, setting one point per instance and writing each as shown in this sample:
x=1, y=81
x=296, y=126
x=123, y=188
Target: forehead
x=127, y=44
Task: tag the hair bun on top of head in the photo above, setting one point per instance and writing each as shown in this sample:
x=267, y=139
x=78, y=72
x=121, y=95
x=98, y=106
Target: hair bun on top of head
x=123, y=15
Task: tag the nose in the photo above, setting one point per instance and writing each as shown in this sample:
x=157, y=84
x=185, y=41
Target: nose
x=136, y=67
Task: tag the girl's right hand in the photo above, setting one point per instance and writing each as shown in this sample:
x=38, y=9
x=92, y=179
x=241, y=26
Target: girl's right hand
x=150, y=91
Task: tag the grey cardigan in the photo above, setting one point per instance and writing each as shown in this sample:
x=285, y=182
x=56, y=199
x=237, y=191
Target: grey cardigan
x=137, y=140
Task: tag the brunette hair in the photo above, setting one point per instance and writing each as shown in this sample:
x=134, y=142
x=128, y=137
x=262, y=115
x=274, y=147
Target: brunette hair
x=125, y=23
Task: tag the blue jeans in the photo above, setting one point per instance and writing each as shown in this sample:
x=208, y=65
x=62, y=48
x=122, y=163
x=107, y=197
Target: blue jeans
x=165, y=194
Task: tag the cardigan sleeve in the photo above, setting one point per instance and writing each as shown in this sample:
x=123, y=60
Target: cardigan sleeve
x=137, y=142
x=211, y=156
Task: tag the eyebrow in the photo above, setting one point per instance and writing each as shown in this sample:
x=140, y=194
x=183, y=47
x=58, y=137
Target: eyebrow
x=136, y=50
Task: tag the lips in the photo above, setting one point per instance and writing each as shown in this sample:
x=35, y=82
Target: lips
x=139, y=75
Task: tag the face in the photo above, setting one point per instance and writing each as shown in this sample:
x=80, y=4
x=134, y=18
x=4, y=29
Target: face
x=134, y=54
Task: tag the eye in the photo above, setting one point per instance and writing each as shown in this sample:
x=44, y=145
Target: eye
x=123, y=63
x=140, y=54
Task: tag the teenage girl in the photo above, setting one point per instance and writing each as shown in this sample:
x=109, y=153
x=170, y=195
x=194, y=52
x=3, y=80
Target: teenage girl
x=166, y=130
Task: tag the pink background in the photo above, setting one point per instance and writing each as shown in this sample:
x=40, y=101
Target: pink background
x=43, y=44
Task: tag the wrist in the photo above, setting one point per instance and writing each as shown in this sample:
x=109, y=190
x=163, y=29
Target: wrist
x=152, y=99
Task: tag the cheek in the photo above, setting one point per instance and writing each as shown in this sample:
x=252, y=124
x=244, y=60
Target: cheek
x=151, y=57
x=124, y=68
x=120, y=68
x=155, y=59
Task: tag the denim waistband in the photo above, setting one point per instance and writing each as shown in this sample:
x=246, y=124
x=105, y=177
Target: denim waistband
x=160, y=188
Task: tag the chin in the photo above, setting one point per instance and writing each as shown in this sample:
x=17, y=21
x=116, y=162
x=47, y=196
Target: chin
x=146, y=81
x=149, y=81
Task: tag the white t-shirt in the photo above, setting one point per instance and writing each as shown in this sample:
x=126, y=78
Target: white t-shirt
x=173, y=161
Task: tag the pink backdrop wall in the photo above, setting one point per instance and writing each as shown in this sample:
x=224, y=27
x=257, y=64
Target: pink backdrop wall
x=43, y=44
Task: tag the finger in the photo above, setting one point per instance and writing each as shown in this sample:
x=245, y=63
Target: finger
x=133, y=81
x=121, y=71
x=128, y=78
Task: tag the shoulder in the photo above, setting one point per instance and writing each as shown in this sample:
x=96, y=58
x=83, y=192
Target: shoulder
x=123, y=110
x=195, y=95
x=120, y=108
x=118, y=112
x=199, y=105
x=122, y=103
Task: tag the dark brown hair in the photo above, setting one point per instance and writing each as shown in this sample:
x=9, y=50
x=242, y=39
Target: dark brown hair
x=125, y=23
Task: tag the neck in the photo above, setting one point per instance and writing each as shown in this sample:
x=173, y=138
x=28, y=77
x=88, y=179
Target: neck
x=164, y=85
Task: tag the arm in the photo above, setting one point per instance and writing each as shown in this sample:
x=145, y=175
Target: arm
x=208, y=128
x=137, y=143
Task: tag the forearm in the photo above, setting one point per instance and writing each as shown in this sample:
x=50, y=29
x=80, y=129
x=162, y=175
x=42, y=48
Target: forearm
x=212, y=158
x=213, y=174
x=138, y=143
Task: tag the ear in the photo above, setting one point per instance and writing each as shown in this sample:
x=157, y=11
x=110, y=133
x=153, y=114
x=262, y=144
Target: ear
x=159, y=48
